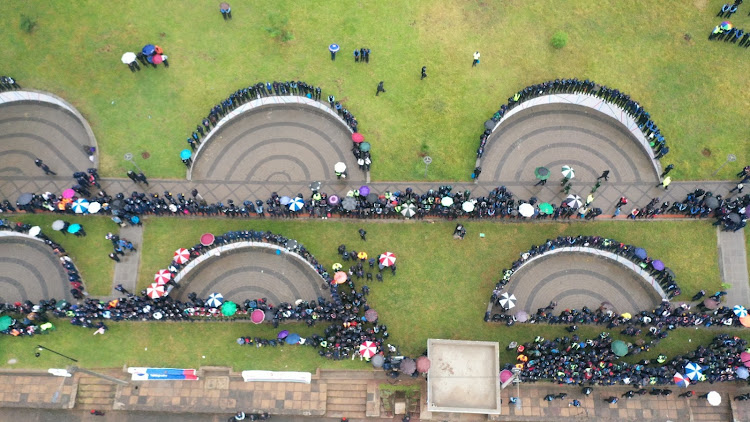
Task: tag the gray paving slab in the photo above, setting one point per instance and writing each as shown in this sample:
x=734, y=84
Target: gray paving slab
x=733, y=266
x=126, y=271
x=30, y=271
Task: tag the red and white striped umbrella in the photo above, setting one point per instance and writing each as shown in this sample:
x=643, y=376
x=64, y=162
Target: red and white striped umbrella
x=162, y=277
x=181, y=256
x=387, y=259
x=368, y=349
x=155, y=291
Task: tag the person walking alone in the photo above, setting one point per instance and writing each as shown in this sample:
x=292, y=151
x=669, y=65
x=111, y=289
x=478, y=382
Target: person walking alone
x=605, y=176
x=667, y=180
x=424, y=72
x=476, y=59
x=380, y=88
x=667, y=170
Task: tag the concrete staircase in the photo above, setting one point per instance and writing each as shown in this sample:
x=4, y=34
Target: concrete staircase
x=95, y=393
x=346, y=398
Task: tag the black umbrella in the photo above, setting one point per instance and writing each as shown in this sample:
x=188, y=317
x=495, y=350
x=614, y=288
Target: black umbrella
x=712, y=202
x=734, y=218
x=117, y=204
x=25, y=198
x=490, y=124
x=315, y=186
x=291, y=244
x=349, y=203
x=372, y=198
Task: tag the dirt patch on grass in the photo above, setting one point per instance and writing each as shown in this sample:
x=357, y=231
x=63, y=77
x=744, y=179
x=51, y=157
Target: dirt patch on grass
x=706, y=152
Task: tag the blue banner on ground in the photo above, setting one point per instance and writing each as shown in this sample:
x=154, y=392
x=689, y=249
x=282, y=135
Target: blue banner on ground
x=144, y=374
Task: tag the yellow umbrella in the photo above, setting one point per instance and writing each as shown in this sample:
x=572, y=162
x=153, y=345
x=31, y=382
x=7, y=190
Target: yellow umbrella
x=362, y=255
x=627, y=315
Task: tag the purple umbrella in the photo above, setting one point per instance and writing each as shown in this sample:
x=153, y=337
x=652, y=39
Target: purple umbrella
x=333, y=199
x=283, y=334
x=371, y=315
x=640, y=253
x=658, y=265
x=408, y=366
x=522, y=316
x=364, y=190
x=711, y=303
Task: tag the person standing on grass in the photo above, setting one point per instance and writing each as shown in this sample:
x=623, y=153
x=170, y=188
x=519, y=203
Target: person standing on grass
x=667, y=170
x=380, y=88
x=424, y=72
x=476, y=59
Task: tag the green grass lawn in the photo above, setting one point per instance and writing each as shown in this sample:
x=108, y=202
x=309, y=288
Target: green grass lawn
x=691, y=87
x=442, y=286
x=88, y=253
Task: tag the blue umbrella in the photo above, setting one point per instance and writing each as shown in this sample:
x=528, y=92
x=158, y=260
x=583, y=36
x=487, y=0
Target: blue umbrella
x=640, y=253
x=80, y=206
x=296, y=204
x=333, y=48
x=134, y=219
x=74, y=228
x=185, y=154
x=293, y=338
x=693, y=371
x=149, y=49
x=285, y=200
x=215, y=300
x=740, y=311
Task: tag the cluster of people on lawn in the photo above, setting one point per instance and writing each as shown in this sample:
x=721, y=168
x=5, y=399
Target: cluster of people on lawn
x=663, y=275
x=260, y=90
x=576, y=86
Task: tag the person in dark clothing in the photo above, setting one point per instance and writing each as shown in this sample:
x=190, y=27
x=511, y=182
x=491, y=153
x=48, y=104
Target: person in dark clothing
x=605, y=176
x=667, y=170
x=380, y=88
x=541, y=182
x=132, y=176
x=142, y=178
x=113, y=256
x=363, y=234
x=424, y=72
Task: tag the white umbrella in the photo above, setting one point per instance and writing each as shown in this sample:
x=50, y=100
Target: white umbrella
x=447, y=201
x=296, y=204
x=94, y=207
x=507, y=301
x=35, y=230
x=215, y=300
x=58, y=225
x=80, y=206
x=574, y=201
x=568, y=172
x=339, y=167
x=714, y=398
x=739, y=310
x=409, y=211
x=526, y=210
x=468, y=206
x=128, y=57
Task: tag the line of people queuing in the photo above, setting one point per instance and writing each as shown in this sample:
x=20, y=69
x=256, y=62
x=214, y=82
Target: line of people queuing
x=261, y=90
x=576, y=86
x=663, y=275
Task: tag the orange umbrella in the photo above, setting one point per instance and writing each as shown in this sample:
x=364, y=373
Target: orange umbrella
x=340, y=277
x=745, y=321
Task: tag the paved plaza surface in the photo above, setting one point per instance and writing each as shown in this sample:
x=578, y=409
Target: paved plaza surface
x=253, y=273
x=30, y=271
x=575, y=280
x=554, y=135
x=282, y=143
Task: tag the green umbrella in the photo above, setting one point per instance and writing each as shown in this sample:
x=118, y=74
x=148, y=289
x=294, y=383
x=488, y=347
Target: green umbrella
x=364, y=146
x=619, y=348
x=542, y=173
x=229, y=308
x=546, y=208
x=5, y=322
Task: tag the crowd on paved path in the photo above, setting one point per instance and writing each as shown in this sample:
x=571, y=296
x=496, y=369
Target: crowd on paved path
x=638, y=256
x=572, y=360
x=443, y=202
x=575, y=86
x=258, y=91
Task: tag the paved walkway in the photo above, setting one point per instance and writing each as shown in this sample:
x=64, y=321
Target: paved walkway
x=126, y=271
x=733, y=266
x=336, y=394
x=30, y=271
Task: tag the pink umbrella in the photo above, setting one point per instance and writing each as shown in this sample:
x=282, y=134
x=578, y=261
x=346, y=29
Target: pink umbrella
x=505, y=375
x=157, y=58
x=155, y=291
x=68, y=193
x=745, y=358
x=257, y=316
x=387, y=259
x=423, y=364
x=357, y=137
x=371, y=315
x=207, y=239
x=368, y=349
x=333, y=199
x=162, y=277
x=181, y=256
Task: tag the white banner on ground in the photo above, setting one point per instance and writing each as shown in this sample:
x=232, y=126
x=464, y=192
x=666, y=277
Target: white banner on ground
x=59, y=372
x=277, y=376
